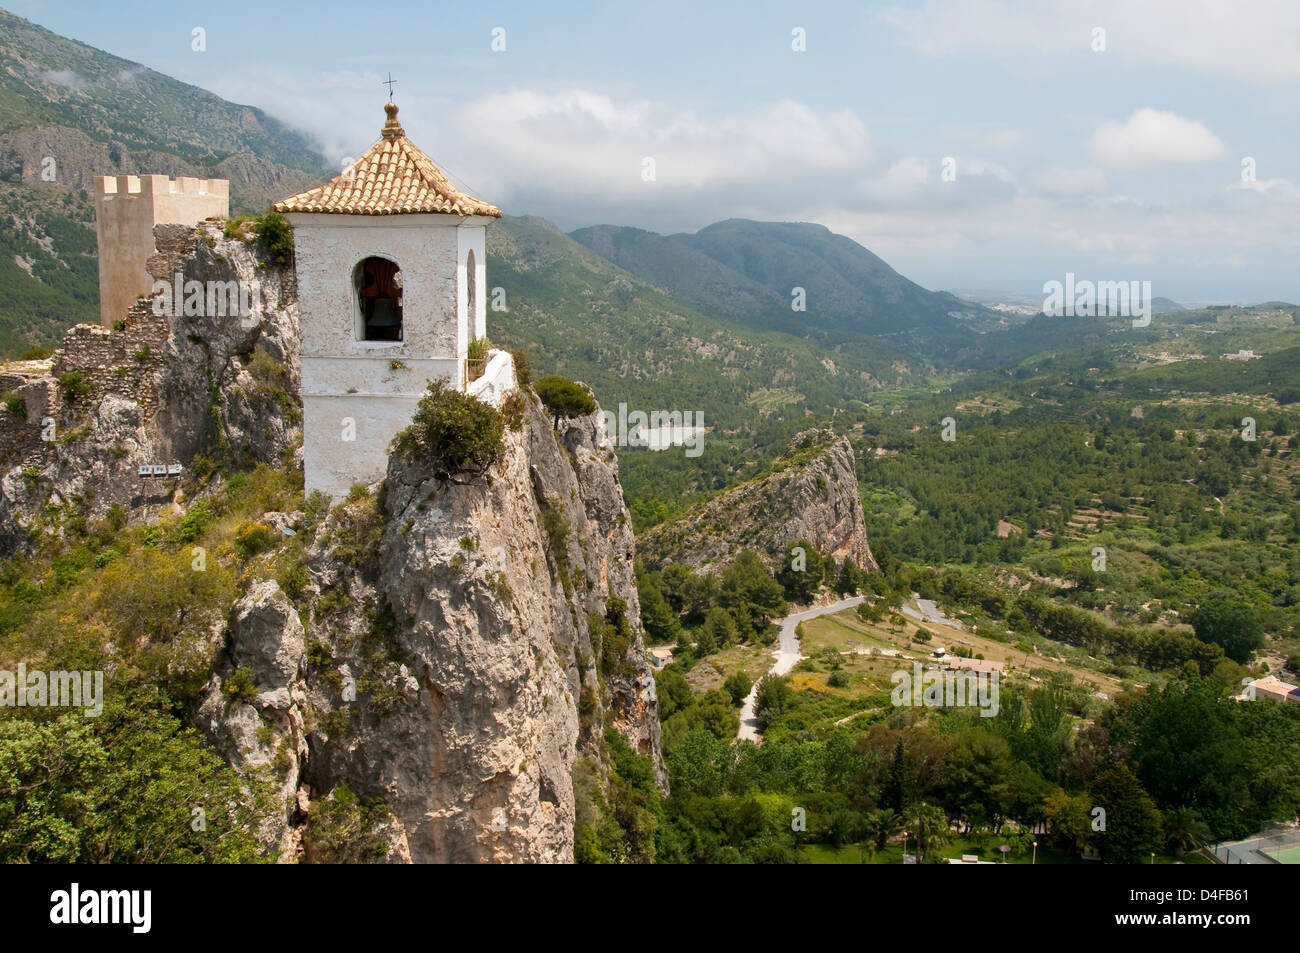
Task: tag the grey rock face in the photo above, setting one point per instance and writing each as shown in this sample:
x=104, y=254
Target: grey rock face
x=813, y=496
x=473, y=639
x=450, y=653
x=161, y=389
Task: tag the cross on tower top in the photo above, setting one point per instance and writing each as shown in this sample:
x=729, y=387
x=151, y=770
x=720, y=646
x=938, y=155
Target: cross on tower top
x=389, y=83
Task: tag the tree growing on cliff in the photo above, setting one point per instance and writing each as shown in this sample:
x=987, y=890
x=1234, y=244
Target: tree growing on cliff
x=461, y=434
x=564, y=398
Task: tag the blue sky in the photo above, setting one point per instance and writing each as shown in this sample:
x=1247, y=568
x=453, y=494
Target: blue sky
x=1122, y=163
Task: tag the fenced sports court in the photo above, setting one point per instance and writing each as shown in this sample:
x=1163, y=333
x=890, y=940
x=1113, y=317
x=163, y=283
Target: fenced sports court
x=1280, y=847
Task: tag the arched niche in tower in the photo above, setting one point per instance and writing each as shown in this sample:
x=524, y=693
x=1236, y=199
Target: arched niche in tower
x=378, y=286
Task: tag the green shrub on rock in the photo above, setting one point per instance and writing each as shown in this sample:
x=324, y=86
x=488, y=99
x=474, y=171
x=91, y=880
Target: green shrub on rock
x=463, y=435
x=564, y=398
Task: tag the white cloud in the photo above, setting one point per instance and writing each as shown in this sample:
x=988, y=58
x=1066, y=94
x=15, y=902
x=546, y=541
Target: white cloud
x=582, y=142
x=66, y=78
x=902, y=181
x=1277, y=187
x=1250, y=39
x=1060, y=180
x=1150, y=137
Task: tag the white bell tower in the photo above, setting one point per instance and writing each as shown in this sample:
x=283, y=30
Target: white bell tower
x=391, y=265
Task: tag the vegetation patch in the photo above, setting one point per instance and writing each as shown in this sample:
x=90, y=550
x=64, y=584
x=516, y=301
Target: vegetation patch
x=458, y=433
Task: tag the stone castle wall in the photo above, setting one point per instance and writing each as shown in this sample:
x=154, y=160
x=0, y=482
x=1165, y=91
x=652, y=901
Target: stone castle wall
x=127, y=208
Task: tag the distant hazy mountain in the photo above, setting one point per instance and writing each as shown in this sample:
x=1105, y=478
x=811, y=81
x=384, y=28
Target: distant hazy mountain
x=690, y=275
x=748, y=271
x=586, y=317
x=1165, y=306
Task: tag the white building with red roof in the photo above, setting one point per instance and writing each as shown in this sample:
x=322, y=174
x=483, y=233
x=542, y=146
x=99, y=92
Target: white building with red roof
x=391, y=265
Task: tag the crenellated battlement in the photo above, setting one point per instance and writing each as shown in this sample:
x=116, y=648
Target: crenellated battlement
x=127, y=207
x=155, y=185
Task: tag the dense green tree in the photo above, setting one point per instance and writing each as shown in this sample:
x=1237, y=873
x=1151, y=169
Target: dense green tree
x=1069, y=817
x=459, y=433
x=121, y=788
x=928, y=827
x=1230, y=623
x=801, y=572
x=563, y=397
x=711, y=711
x=975, y=786
x=752, y=595
x=657, y=616
x=1184, y=830
x=1134, y=828
x=719, y=630
x=699, y=764
x=738, y=686
x=772, y=700
x=883, y=824
x=1189, y=752
x=673, y=691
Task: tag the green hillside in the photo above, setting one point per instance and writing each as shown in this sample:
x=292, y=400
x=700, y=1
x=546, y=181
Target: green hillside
x=584, y=317
x=747, y=272
x=49, y=80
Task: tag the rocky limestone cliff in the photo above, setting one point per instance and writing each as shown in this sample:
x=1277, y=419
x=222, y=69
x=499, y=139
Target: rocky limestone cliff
x=811, y=495
x=153, y=390
x=474, y=622
x=450, y=655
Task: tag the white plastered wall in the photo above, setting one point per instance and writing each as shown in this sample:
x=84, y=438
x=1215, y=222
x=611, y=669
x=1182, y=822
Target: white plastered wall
x=350, y=387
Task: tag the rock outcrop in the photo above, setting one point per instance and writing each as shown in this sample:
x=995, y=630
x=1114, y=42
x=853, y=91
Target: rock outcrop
x=812, y=494
x=154, y=390
x=443, y=657
x=466, y=662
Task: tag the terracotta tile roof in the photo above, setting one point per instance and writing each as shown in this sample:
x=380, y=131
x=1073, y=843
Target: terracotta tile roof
x=393, y=178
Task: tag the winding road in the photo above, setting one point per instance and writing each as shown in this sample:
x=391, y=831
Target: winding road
x=787, y=656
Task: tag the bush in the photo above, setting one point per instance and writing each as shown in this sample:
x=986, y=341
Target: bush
x=292, y=575
x=239, y=227
x=276, y=238
x=253, y=538
x=512, y=408
x=75, y=385
x=1230, y=623
x=15, y=404
x=773, y=700
x=194, y=523
x=476, y=357
x=239, y=686
x=564, y=398
x=462, y=434
x=738, y=686
x=341, y=829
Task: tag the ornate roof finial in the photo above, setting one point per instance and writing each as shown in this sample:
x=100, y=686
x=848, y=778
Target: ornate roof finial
x=392, y=128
